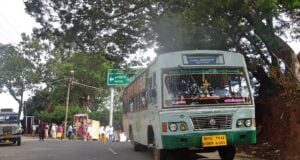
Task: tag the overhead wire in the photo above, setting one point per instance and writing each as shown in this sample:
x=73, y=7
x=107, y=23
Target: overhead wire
x=7, y=34
x=12, y=26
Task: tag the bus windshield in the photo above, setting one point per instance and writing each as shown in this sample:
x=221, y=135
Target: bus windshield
x=218, y=86
x=8, y=118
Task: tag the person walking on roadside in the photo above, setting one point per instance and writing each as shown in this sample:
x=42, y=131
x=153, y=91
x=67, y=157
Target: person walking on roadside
x=59, y=134
x=53, y=130
x=49, y=130
x=70, y=132
x=46, y=131
x=41, y=131
x=111, y=133
x=34, y=127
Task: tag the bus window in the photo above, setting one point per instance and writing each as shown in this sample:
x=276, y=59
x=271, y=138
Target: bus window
x=143, y=102
x=149, y=87
x=131, y=106
x=205, y=87
x=153, y=89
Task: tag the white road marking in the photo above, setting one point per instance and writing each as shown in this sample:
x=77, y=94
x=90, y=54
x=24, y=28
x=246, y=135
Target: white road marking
x=112, y=151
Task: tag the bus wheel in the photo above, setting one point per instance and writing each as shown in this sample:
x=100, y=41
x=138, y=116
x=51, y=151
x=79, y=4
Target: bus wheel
x=159, y=154
x=227, y=152
x=18, y=141
x=139, y=147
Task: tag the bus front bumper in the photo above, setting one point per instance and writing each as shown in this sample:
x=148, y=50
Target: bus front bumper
x=194, y=140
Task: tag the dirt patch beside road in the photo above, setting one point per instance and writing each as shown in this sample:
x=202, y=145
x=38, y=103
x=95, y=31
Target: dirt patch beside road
x=278, y=129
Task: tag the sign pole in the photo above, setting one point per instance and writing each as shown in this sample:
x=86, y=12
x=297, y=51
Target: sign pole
x=111, y=106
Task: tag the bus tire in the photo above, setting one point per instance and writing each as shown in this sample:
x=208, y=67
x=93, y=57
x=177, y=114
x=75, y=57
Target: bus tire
x=131, y=135
x=139, y=147
x=227, y=152
x=159, y=154
x=18, y=141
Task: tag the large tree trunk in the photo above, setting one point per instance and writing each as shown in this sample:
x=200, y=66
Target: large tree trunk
x=275, y=45
x=14, y=95
x=21, y=104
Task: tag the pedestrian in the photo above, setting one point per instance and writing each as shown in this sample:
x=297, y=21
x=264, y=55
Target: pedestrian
x=103, y=138
x=49, y=130
x=59, y=132
x=34, y=130
x=53, y=130
x=70, y=132
x=88, y=137
x=46, y=131
x=111, y=133
x=101, y=130
x=41, y=131
x=123, y=138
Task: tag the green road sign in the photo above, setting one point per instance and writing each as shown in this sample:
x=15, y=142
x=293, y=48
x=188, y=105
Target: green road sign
x=117, y=77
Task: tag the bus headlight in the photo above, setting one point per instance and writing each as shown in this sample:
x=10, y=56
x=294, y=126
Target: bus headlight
x=173, y=127
x=245, y=123
x=19, y=130
x=240, y=123
x=248, y=122
x=182, y=126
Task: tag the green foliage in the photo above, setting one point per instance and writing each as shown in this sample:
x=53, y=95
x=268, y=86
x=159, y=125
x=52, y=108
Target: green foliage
x=90, y=26
x=103, y=117
x=18, y=73
x=39, y=102
x=58, y=114
x=89, y=69
x=120, y=27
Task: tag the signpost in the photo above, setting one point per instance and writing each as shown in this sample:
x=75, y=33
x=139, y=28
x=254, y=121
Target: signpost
x=115, y=77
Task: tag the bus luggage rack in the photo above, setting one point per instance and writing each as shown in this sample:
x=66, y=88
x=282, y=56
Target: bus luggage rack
x=211, y=122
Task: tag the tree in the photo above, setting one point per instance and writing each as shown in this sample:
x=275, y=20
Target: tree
x=92, y=25
x=89, y=69
x=253, y=27
x=57, y=115
x=18, y=74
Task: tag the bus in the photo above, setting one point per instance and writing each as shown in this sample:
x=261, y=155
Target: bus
x=198, y=99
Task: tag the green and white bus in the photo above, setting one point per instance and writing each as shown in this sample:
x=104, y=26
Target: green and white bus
x=199, y=99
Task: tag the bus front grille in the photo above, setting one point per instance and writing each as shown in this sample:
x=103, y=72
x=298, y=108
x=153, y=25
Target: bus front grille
x=211, y=122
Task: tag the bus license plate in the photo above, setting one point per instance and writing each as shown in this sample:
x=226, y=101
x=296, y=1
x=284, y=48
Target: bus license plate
x=213, y=141
x=8, y=135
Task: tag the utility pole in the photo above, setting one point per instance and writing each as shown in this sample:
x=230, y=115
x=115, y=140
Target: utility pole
x=67, y=109
x=67, y=104
x=111, y=106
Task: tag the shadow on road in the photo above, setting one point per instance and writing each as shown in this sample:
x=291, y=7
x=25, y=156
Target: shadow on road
x=186, y=155
x=7, y=144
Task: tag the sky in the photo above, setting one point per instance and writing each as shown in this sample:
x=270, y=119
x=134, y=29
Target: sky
x=14, y=21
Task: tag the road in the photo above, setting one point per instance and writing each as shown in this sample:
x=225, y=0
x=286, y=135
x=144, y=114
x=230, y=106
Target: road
x=32, y=149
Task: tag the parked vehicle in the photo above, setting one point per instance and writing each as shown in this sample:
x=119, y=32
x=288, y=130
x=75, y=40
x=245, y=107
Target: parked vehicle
x=10, y=128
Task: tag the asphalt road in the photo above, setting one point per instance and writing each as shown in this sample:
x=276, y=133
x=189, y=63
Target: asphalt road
x=32, y=149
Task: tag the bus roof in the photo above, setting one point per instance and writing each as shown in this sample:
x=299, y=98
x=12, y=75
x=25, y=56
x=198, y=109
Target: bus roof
x=6, y=113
